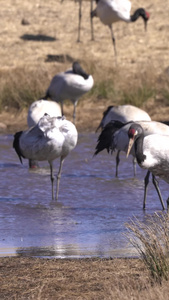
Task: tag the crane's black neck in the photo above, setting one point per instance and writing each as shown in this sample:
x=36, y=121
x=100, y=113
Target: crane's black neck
x=140, y=12
x=138, y=145
x=77, y=69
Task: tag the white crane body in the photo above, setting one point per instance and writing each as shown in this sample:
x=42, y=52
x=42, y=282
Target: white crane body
x=156, y=150
x=111, y=11
x=38, y=108
x=51, y=138
x=64, y=86
x=70, y=85
x=123, y=113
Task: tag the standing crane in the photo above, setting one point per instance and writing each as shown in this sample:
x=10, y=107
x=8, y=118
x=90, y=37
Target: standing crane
x=111, y=11
x=71, y=84
x=115, y=137
x=122, y=113
x=36, y=111
x=152, y=151
x=51, y=138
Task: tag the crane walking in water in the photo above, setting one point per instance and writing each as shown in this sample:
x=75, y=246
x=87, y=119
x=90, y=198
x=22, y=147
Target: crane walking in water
x=51, y=138
x=152, y=151
x=36, y=111
x=71, y=85
x=115, y=137
x=124, y=114
x=111, y=11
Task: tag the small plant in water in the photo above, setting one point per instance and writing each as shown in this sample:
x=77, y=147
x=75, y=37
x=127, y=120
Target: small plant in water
x=151, y=239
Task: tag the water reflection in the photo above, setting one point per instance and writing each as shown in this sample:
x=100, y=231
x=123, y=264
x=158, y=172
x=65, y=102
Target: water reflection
x=93, y=205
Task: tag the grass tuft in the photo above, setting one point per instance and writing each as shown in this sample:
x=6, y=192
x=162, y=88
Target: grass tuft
x=151, y=239
x=19, y=88
x=104, y=90
x=138, y=95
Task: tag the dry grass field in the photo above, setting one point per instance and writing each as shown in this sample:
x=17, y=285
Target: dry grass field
x=142, y=56
x=89, y=279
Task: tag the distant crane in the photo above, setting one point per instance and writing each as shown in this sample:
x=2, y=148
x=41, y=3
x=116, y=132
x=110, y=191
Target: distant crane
x=80, y=17
x=152, y=151
x=122, y=113
x=71, y=84
x=115, y=137
x=111, y=11
x=36, y=111
x=51, y=138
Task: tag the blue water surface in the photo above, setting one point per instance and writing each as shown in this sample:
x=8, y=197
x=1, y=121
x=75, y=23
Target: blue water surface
x=93, y=206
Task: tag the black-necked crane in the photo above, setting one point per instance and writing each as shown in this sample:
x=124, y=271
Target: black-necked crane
x=80, y=18
x=71, y=84
x=111, y=11
x=51, y=138
x=123, y=113
x=36, y=111
x=152, y=151
x=118, y=139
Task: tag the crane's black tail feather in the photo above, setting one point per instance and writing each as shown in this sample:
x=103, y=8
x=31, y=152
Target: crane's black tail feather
x=105, y=138
x=16, y=145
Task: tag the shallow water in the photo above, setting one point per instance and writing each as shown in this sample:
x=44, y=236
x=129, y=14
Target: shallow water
x=89, y=218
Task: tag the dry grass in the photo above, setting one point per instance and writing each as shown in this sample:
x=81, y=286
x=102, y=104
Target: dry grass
x=32, y=278
x=151, y=239
x=89, y=279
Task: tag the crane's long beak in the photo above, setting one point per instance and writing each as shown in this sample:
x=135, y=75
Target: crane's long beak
x=131, y=142
x=146, y=18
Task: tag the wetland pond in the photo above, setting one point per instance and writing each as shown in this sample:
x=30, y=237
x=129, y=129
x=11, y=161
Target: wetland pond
x=89, y=217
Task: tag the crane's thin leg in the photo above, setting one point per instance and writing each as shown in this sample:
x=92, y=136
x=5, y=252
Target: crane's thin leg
x=91, y=20
x=146, y=181
x=168, y=204
x=134, y=165
x=113, y=40
x=58, y=177
x=74, y=112
x=117, y=161
x=80, y=17
x=52, y=179
x=62, y=109
x=155, y=182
